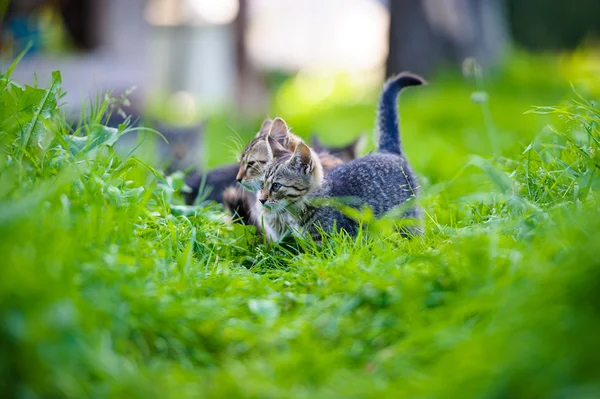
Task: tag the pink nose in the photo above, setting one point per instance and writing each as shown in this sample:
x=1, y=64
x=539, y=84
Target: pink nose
x=262, y=200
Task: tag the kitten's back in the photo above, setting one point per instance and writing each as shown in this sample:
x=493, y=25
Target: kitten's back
x=379, y=181
x=390, y=181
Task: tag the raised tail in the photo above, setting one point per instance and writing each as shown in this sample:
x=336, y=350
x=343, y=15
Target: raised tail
x=387, y=112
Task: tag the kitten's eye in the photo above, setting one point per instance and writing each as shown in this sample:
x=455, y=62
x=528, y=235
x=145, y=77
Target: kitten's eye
x=275, y=186
x=250, y=164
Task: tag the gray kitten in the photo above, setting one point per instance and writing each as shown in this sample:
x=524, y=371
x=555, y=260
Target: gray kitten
x=182, y=150
x=296, y=198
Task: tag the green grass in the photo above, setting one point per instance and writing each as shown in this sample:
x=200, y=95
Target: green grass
x=110, y=287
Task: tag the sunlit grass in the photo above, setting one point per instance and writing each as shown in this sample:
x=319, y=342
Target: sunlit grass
x=110, y=287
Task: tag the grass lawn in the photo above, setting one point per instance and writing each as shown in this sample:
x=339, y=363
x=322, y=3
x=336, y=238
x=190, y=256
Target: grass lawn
x=111, y=288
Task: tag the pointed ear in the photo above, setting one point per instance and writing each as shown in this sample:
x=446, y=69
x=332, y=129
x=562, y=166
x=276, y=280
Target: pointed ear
x=355, y=147
x=276, y=149
x=304, y=155
x=315, y=143
x=279, y=131
x=265, y=127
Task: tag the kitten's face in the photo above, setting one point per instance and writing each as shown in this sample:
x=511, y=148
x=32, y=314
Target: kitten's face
x=253, y=161
x=289, y=179
x=272, y=141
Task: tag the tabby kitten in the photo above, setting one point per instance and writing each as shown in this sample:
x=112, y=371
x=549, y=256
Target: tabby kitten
x=282, y=201
x=295, y=198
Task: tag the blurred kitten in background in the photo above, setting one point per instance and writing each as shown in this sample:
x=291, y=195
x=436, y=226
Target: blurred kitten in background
x=180, y=149
x=184, y=149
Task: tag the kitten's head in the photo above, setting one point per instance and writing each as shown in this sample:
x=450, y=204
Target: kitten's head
x=288, y=179
x=271, y=142
x=184, y=148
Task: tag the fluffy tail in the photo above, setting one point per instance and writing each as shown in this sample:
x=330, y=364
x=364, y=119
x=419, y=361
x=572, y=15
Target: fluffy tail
x=387, y=112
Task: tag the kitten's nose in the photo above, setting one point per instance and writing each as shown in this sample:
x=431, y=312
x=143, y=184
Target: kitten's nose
x=262, y=200
x=239, y=180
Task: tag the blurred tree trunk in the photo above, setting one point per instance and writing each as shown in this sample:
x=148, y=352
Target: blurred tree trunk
x=251, y=93
x=427, y=34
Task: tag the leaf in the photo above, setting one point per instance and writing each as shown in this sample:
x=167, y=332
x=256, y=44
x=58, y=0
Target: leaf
x=12, y=66
x=104, y=135
x=184, y=210
x=99, y=136
x=76, y=144
x=43, y=110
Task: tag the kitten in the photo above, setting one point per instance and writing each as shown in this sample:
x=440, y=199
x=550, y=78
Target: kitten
x=298, y=174
x=296, y=198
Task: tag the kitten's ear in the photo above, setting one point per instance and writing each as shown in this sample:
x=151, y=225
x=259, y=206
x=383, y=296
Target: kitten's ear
x=277, y=150
x=279, y=131
x=316, y=144
x=304, y=155
x=354, y=148
x=265, y=127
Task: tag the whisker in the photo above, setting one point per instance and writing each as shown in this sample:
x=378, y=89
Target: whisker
x=235, y=149
x=236, y=140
